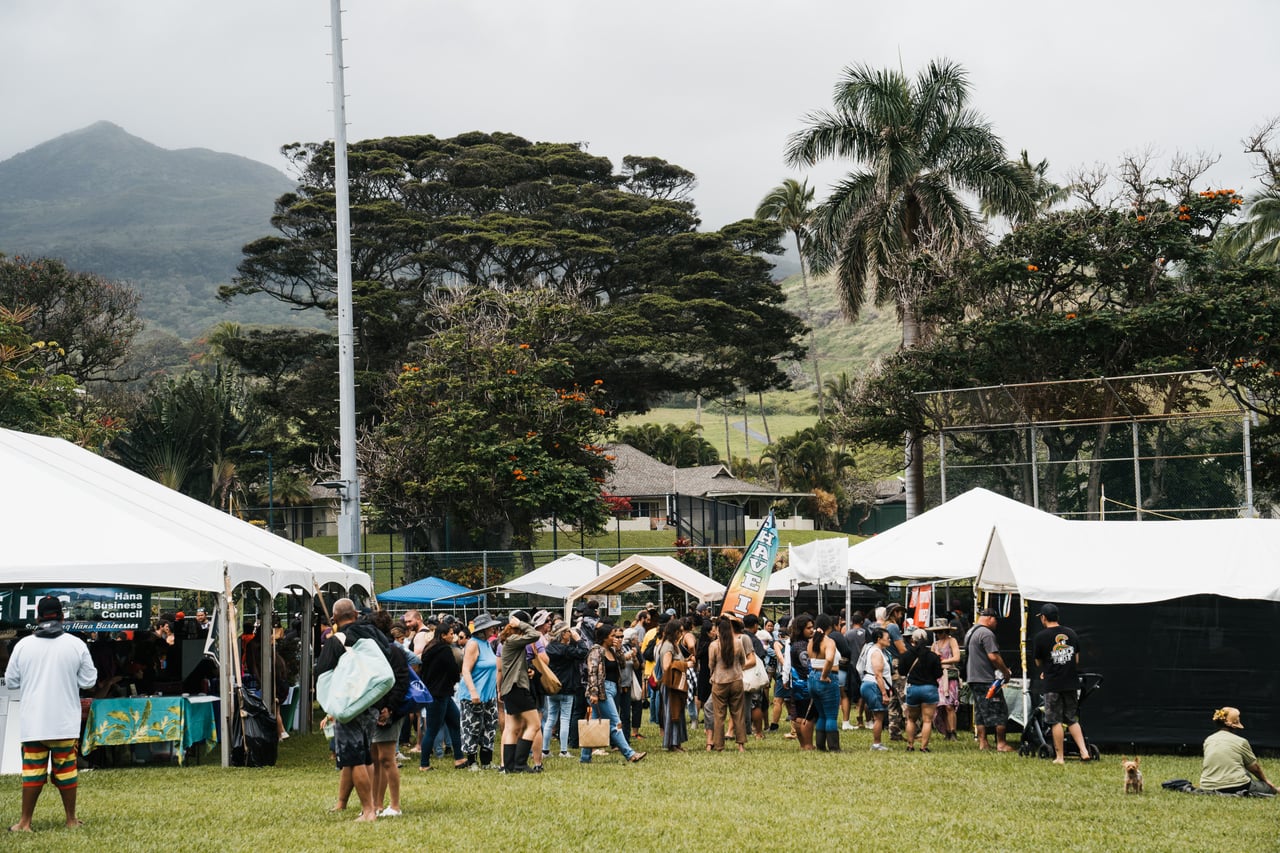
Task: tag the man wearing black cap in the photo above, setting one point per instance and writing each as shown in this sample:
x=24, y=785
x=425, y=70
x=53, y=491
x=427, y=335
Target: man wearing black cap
x=1057, y=650
x=51, y=667
x=984, y=662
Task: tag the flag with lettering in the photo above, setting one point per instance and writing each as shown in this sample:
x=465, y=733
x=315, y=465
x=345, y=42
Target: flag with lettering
x=746, y=590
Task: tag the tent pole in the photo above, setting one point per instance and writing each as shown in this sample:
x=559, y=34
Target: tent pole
x=302, y=719
x=224, y=669
x=791, y=599
x=266, y=650
x=1026, y=678
x=1137, y=476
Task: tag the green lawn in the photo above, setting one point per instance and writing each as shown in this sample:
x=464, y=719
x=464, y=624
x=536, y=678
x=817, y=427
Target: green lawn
x=951, y=799
x=740, y=443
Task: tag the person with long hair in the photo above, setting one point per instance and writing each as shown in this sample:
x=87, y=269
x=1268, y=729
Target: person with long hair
x=877, y=683
x=670, y=669
x=480, y=677
x=824, y=684
x=947, y=649
x=441, y=673
x=806, y=708
x=604, y=672
x=729, y=654
x=923, y=669
x=565, y=651
x=705, y=636
x=522, y=723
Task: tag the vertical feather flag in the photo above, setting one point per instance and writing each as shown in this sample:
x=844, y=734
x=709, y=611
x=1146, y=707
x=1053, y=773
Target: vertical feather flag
x=746, y=590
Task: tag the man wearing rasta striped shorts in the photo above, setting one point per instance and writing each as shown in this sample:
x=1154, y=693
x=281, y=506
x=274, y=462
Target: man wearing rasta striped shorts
x=50, y=667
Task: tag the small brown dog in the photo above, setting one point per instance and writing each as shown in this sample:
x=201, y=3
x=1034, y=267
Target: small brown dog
x=1132, y=775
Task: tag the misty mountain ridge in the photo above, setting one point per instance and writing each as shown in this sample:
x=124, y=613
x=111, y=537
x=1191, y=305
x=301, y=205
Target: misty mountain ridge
x=171, y=223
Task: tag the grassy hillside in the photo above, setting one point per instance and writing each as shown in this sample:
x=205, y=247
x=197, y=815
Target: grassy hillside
x=842, y=346
x=169, y=223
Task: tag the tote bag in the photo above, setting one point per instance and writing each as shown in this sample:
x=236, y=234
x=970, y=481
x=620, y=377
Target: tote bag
x=362, y=677
x=755, y=678
x=593, y=733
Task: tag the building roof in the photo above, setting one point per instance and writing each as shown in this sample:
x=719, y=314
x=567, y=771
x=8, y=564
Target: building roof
x=637, y=474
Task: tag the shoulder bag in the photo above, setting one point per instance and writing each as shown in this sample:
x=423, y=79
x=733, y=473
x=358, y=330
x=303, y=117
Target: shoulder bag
x=361, y=677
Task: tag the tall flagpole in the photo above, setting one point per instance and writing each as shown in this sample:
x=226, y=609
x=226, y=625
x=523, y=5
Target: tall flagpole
x=349, y=491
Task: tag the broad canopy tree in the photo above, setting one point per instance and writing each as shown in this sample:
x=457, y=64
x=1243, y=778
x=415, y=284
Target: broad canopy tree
x=673, y=309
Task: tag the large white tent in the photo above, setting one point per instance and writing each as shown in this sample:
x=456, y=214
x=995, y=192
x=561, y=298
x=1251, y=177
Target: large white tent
x=562, y=576
x=73, y=516
x=637, y=567
x=946, y=543
x=1133, y=562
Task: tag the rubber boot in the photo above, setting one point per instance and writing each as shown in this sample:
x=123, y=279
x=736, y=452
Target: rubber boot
x=820, y=740
x=509, y=758
x=833, y=741
x=523, y=750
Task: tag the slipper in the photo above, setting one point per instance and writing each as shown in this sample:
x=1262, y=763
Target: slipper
x=637, y=756
x=14, y=828
x=425, y=769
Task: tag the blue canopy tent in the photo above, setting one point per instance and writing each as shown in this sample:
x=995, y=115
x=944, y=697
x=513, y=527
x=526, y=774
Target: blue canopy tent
x=432, y=591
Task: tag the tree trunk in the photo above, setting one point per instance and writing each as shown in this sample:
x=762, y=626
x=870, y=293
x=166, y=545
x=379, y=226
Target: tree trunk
x=728, y=446
x=808, y=310
x=746, y=431
x=764, y=421
x=914, y=493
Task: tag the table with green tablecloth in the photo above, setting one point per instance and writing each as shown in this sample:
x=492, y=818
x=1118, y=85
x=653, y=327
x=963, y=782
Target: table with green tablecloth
x=150, y=719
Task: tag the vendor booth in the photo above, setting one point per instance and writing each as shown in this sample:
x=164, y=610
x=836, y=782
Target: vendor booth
x=562, y=576
x=1178, y=616
x=430, y=591
x=637, y=568
x=79, y=525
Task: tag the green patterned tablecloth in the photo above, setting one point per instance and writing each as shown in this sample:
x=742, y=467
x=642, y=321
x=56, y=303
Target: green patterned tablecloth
x=156, y=719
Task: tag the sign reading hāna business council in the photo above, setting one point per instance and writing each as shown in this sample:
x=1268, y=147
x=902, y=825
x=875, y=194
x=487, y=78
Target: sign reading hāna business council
x=86, y=608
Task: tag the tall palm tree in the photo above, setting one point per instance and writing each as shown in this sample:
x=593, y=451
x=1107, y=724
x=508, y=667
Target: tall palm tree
x=1258, y=237
x=920, y=149
x=790, y=204
x=1045, y=194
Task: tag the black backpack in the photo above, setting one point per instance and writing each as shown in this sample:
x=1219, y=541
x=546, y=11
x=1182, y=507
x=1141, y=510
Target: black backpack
x=648, y=648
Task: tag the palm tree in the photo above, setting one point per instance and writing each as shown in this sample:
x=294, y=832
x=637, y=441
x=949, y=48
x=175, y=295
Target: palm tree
x=920, y=149
x=1045, y=194
x=1258, y=237
x=790, y=204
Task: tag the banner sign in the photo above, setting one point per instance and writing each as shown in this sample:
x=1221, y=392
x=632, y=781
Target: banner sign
x=87, y=608
x=746, y=590
x=921, y=605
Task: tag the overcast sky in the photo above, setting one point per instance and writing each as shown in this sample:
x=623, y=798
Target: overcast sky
x=713, y=85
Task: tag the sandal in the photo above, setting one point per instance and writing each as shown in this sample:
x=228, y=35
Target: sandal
x=637, y=756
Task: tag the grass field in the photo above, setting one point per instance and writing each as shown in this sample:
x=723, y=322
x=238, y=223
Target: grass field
x=740, y=443
x=951, y=799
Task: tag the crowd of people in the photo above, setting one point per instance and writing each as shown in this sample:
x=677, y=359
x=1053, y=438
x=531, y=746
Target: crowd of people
x=525, y=682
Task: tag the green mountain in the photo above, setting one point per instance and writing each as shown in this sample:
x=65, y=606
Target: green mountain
x=169, y=223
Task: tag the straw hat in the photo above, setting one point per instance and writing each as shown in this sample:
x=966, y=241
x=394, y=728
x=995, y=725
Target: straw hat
x=1228, y=717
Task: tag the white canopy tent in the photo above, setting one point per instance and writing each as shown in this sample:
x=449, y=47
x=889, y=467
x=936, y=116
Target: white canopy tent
x=73, y=517
x=562, y=576
x=1133, y=562
x=636, y=568
x=946, y=543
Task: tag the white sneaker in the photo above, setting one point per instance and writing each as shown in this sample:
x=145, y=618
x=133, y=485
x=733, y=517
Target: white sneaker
x=879, y=747
x=848, y=726
x=389, y=812
x=564, y=755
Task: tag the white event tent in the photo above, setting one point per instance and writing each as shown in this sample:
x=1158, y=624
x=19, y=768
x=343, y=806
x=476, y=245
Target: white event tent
x=948, y=542
x=72, y=517
x=1134, y=562
x=636, y=568
x=562, y=576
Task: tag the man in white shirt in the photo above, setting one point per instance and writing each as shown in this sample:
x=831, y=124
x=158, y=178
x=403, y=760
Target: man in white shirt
x=51, y=667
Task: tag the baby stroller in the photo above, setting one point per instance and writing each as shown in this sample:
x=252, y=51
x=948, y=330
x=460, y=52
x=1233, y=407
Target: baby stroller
x=1037, y=735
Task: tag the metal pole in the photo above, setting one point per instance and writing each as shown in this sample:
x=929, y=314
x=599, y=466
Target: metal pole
x=266, y=649
x=349, y=516
x=1035, y=474
x=225, y=678
x=271, y=495
x=1248, y=470
x=942, y=462
x=1137, y=475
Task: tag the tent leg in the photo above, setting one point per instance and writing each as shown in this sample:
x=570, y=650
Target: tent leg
x=224, y=678
x=302, y=719
x=266, y=650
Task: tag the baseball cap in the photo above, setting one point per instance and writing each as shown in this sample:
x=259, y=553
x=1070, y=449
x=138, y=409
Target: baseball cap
x=989, y=611
x=1049, y=611
x=48, y=608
